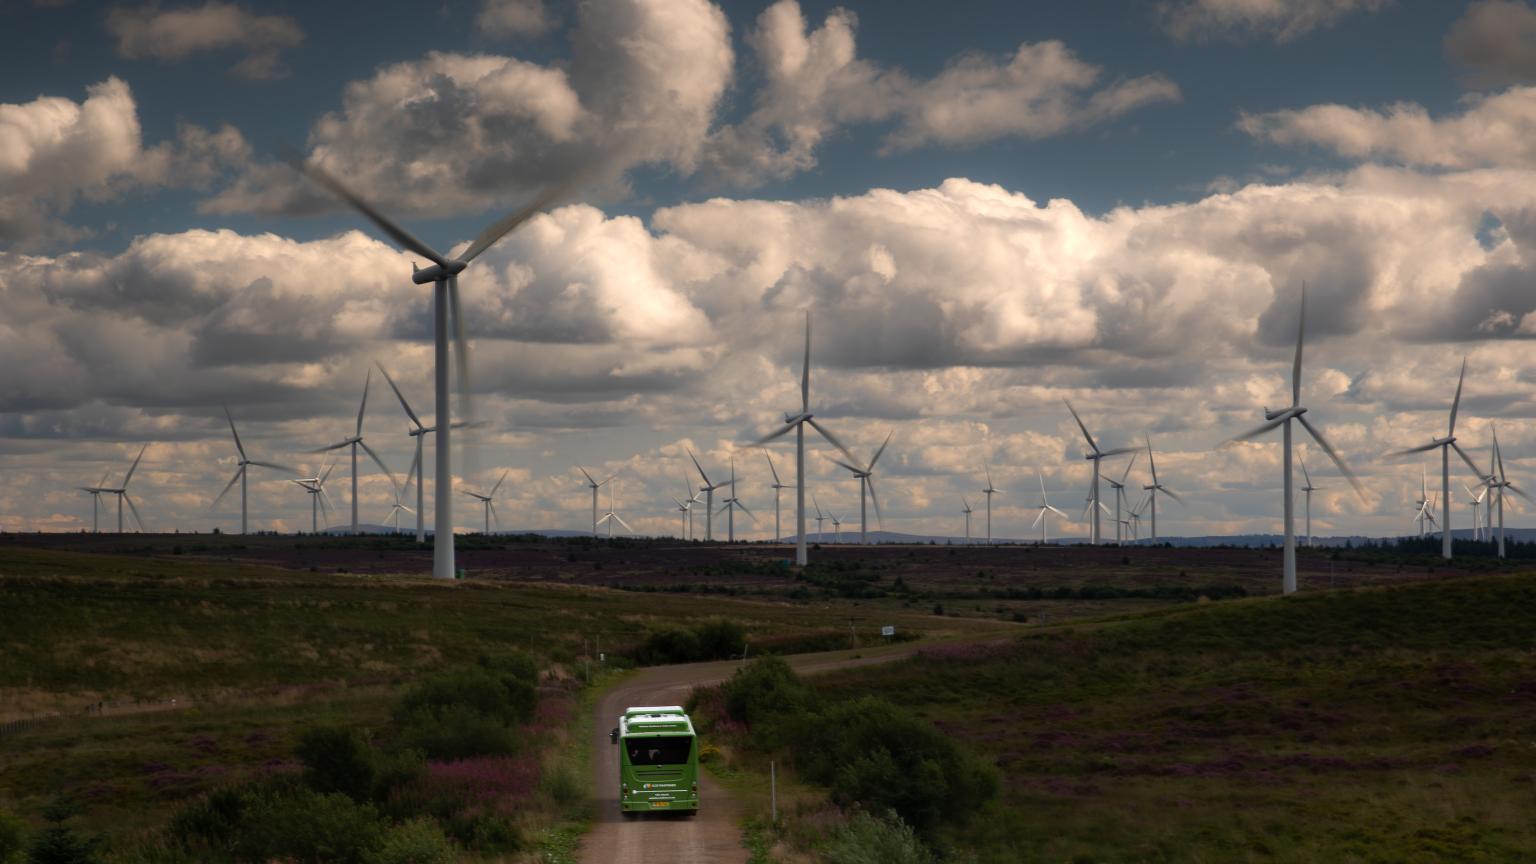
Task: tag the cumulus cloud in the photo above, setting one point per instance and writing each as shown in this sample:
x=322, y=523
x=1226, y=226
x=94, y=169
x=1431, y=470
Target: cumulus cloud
x=815, y=84
x=172, y=35
x=1495, y=42
x=1281, y=20
x=513, y=18
x=455, y=132
x=1489, y=131
x=54, y=151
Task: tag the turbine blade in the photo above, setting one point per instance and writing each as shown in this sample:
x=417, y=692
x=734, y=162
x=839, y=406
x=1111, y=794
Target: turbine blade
x=410, y=473
x=1128, y=466
x=700, y=467
x=402, y=237
x=876, y=457
x=1304, y=472
x=1334, y=455
x=1518, y=491
x=773, y=436
x=328, y=448
x=401, y=396
x=327, y=472
x=1301, y=332
x=1120, y=451
x=363, y=406
x=501, y=227
x=875, y=500
x=1091, y=446
x=228, y=486
x=832, y=439
x=133, y=509
x=1256, y=431
x=771, y=468
x=325, y=499
x=621, y=521
x=499, y=482
x=1171, y=494
x=238, y=445
x=134, y=466
x=1456, y=403
x=845, y=465
x=1410, y=451
x=584, y=473
x=380, y=462
x=1465, y=458
x=744, y=509
x=805, y=369
x=273, y=465
x=1056, y=511
x=461, y=361
x=1151, y=461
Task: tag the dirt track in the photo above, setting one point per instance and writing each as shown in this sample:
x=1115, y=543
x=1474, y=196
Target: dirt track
x=714, y=835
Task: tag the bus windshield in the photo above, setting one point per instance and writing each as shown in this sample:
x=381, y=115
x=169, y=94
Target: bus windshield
x=666, y=750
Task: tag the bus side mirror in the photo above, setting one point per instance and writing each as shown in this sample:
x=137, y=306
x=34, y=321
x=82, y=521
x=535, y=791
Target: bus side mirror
x=613, y=736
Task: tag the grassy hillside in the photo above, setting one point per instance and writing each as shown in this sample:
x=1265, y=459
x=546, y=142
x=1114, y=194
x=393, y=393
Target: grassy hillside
x=1385, y=724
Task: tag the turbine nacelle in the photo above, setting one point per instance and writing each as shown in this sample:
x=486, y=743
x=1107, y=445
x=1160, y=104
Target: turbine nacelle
x=428, y=275
x=790, y=420
x=1284, y=413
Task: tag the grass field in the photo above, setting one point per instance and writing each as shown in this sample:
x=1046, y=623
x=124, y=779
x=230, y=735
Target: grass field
x=1372, y=725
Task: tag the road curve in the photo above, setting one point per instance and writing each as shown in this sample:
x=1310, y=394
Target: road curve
x=713, y=836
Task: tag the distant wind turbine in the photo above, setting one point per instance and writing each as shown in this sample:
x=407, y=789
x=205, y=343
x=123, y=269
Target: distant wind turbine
x=1497, y=482
x=318, y=499
x=797, y=424
x=1042, y=519
x=96, y=492
x=613, y=516
x=1156, y=487
x=776, y=487
x=989, y=492
x=240, y=472
x=594, y=486
x=1307, y=490
x=121, y=492
x=732, y=504
x=866, y=480
x=419, y=432
x=355, y=442
x=965, y=507
x=1445, y=446
x=488, y=500
x=1475, y=502
x=1095, y=455
x=1120, y=500
x=1283, y=418
x=709, y=498
x=819, y=518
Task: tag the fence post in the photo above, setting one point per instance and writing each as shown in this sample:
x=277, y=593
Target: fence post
x=773, y=790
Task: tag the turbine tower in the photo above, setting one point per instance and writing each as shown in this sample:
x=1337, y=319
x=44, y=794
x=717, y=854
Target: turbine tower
x=488, y=500
x=965, y=507
x=1498, y=482
x=819, y=518
x=1095, y=455
x=797, y=424
x=420, y=432
x=866, y=480
x=989, y=492
x=684, y=512
x=240, y=472
x=1475, y=501
x=709, y=499
x=1119, y=487
x=594, y=485
x=443, y=274
x=778, y=534
x=96, y=500
x=355, y=442
x=1155, y=488
x=732, y=504
x=1283, y=418
x=1446, y=445
x=1045, y=508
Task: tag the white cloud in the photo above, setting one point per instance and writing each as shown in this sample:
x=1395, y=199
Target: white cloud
x=54, y=151
x=171, y=35
x=1496, y=130
x=1495, y=42
x=513, y=18
x=815, y=84
x=1281, y=20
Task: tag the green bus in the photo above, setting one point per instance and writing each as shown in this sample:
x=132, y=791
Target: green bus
x=658, y=761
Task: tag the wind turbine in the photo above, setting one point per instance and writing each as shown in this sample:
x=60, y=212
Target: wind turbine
x=1446, y=445
x=240, y=472
x=731, y=505
x=797, y=424
x=1157, y=487
x=443, y=274
x=965, y=507
x=1283, y=418
x=1499, y=483
x=819, y=518
x=837, y=529
x=1307, y=489
x=613, y=516
x=420, y=433
x=1095, y=455
x=684, y=510
x=709, y=499
x=989, y=492
x=490, y=505
x=1119, y=487
x=1135, y=517
x=315, y=486
x=96, y=501
x=866, y=479
x=122, y=493
x=402, y=491
x=1045, y=508
x=777, y=485
x=1475, y=501
x=594, y=485
x=355, y=442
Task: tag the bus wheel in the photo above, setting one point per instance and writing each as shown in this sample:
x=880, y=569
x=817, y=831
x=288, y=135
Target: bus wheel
x=629, y=815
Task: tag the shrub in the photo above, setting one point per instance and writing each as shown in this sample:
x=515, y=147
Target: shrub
x=870, y=752
x=485, y=832
x=418, y=841
x=504, y=695
x=308, y=826
x=13, y=838
x=456, y=732
x=565, y=787
x=59, y=844
x=720, y=639
x=869, y=840
x=338, y=759
x=764, y=688
x=713, y=639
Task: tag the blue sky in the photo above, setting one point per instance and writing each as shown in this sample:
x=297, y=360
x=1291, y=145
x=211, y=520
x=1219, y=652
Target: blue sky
x=990, y=207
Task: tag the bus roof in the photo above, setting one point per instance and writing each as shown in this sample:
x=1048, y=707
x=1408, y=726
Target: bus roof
x=656, y=720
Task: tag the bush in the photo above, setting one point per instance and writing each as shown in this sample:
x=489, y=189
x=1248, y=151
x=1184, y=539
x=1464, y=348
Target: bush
x=456, y=732
x=713, y=639
x=871, y=753
x=418, y=841
x=868, y=840
x=504, y=695
x=13, y=838
x=308, y=826
x=764, y=688
x=59, y=844
x=720, y=639
x=338, y=759
x=565, y=787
